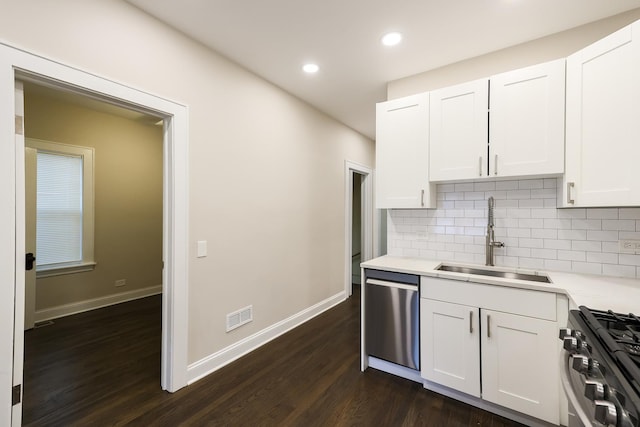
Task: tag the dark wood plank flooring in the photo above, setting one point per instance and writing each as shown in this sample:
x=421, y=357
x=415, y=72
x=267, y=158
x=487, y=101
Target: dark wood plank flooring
x=102, y=368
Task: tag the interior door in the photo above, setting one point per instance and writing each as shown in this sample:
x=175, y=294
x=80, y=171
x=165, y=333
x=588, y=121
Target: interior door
x=18, y=312
x=31, y=173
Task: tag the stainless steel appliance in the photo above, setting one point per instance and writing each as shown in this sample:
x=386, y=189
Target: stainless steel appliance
x=392, y=317
x=601, y=373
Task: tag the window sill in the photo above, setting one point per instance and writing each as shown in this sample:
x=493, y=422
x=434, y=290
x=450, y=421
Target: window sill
x=66, y=268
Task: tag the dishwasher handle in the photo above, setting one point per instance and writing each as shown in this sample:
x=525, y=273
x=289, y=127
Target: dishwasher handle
x=392, y=284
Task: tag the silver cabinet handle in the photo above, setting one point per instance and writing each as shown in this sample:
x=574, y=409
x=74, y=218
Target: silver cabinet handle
x=570, y=185
x=480, y=166
x=495, y=166
x=488, y=326
x=471, y=322
x=422, y=198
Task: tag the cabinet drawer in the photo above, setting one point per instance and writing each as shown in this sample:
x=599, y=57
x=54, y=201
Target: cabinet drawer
x=541, y=305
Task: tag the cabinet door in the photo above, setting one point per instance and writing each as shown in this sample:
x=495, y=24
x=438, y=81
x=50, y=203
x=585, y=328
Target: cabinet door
x=450, y=345
x=402, y=153
x=520, y=364
x=603, y=125
x=526, y=121
x=458, y=131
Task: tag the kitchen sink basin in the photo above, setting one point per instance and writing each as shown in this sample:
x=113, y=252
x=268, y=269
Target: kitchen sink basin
x=494, y=273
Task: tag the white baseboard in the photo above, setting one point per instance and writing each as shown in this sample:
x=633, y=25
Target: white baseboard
x=217, y=360
x=92, y=304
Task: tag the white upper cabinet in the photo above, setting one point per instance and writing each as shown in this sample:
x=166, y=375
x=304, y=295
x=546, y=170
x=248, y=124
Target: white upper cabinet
x=526, y=121
x=603, y=122
x=507, y=126
x=458, y=130
x=402, y=154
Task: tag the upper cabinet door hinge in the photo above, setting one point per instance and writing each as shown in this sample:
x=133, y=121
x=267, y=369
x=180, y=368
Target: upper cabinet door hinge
x=16, y=394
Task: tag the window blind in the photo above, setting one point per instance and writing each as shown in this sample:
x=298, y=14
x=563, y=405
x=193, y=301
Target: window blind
x=58, y=209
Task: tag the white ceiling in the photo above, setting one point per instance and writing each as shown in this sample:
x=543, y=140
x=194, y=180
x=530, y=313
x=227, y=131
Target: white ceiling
x=274, y=38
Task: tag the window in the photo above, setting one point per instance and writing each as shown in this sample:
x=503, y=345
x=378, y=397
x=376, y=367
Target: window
x=64, y=208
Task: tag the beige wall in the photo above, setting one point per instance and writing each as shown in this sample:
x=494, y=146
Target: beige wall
x=128, y=198
x=266, y=170
x=541, y=50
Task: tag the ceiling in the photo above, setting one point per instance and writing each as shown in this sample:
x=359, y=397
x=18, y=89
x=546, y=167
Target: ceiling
x=274, y=38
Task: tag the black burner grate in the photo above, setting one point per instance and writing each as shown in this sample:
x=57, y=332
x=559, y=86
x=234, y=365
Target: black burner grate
x=621, y=335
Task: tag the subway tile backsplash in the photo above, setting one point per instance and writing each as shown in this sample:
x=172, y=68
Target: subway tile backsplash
x=536, y=234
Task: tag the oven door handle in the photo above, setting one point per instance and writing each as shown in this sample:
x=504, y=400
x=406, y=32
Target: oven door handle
x=565, y=375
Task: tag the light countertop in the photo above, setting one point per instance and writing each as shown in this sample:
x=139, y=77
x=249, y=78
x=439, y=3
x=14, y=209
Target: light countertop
x=597, y=292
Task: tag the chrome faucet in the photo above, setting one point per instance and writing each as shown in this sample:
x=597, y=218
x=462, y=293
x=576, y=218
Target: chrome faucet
x=491, y=238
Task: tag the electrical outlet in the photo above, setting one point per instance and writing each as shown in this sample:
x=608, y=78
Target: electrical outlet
x=121, y=282
x=629, y=246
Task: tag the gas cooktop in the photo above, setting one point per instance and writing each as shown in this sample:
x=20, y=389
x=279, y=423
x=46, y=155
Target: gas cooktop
x=602, y=370
x=620, y=333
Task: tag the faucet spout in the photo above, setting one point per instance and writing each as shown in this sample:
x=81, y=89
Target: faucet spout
x=490, y=219
x=491, y=238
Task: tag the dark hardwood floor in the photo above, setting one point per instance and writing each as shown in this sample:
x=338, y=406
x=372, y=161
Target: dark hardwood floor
x=102, y=368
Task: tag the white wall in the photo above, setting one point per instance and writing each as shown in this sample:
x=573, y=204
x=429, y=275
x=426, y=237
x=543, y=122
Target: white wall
x=536, y=234
x=266, y=169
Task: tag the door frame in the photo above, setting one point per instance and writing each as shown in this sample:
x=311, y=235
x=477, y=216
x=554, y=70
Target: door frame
x=16, y=64
x=368, y=229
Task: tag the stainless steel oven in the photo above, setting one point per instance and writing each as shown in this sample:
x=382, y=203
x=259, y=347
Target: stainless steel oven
x=601, y=368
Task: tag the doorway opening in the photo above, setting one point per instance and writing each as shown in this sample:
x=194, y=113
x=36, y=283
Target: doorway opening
x=356, y=228
x=359, y=229
x=18, y=65
x=94, y=189
x=93, y=180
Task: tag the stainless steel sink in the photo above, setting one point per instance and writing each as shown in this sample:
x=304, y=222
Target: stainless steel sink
x=494, y=273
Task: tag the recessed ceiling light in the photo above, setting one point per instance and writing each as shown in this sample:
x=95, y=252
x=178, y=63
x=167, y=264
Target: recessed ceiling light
x=391, y=39
x=310, y=68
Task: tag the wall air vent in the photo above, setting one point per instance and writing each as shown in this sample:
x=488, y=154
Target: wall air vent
x=239, y=318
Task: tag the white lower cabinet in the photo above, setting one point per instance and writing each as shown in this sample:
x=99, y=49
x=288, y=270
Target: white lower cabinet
x=517, y=366
x=450, y=341
x=492, y=342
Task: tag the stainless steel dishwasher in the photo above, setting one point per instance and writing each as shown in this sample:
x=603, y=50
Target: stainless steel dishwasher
x=392, y=317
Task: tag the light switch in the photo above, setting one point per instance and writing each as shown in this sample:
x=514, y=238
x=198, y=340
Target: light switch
x=202, y=248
